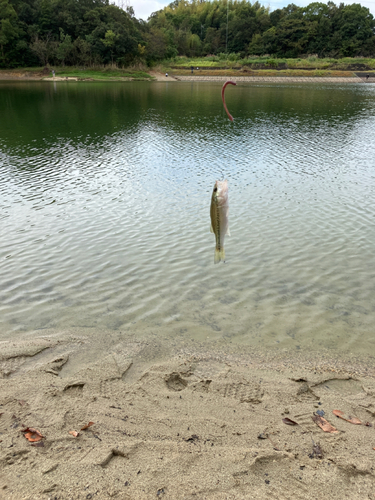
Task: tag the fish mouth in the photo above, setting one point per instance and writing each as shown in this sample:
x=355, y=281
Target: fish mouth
x=221, y=184
x=221, y=187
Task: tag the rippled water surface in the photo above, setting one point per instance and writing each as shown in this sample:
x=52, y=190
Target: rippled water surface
x=104, y=211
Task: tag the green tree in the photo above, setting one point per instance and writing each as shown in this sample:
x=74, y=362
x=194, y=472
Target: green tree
x=82, y=51
x=156, y=45
x=212, y=41
x=110, y=41
x=256, y=47
x=65, y=47
x=9, y=29
x=194, y=44
x=96, y=31
x=45, y=48
x=355, y=27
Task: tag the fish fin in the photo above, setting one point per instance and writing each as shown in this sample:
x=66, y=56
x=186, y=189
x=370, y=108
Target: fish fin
x=211, y=229
x=228, y=232
x=219, y=255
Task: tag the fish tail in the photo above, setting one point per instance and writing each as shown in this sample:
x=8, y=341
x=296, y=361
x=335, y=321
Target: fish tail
x=219, y=255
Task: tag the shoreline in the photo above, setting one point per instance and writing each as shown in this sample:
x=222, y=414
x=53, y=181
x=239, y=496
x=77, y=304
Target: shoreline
x=160, y=77
x=275, y=79
x=178, y=419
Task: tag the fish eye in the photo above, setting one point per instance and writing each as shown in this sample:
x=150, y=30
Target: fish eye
x=215, y=189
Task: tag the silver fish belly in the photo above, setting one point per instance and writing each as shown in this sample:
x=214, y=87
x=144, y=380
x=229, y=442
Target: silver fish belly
x=219, y=217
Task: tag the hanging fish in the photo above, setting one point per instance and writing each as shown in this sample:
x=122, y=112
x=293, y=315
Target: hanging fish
x=219, y=217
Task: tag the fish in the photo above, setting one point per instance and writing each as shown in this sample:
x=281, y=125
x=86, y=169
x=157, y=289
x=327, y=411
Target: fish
x=219, y=217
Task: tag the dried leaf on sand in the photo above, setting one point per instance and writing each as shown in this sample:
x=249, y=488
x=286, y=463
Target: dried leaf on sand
x=32, y=435
x=352, y=420
x=324, y=425
x=87, y=426
x=288, y=421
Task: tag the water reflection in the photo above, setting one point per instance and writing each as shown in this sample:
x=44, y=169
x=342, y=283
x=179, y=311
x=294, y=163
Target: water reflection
x=104, y=199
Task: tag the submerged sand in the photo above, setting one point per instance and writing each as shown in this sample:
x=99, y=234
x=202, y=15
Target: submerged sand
x=181, y=422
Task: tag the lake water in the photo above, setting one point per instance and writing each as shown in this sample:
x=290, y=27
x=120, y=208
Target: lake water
x=104, y=212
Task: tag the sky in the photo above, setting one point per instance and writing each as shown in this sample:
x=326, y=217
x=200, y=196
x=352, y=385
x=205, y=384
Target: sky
x=144, y=8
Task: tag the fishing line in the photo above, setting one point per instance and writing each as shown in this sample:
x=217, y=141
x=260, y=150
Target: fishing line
x=228, y=81
x=226, y=39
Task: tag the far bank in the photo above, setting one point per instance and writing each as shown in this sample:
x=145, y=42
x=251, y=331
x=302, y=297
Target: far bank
x=181, y=74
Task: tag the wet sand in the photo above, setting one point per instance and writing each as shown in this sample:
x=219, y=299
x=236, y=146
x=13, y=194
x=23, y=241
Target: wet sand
x=181, y=421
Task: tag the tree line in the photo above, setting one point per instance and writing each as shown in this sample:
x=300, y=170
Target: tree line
x=93, y=32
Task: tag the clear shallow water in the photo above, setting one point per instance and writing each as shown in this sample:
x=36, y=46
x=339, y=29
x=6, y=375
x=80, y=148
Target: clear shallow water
x=104, y=211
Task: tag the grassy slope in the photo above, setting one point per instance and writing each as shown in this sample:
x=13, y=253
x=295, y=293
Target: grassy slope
x=267, y=66
x=309, y=63
x=102, y=74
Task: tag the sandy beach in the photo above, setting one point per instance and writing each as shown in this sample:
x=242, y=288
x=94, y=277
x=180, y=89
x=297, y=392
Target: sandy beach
x=200, y=422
